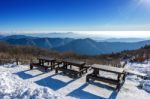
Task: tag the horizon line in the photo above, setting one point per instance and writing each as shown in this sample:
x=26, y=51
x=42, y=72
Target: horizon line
x=108, y=34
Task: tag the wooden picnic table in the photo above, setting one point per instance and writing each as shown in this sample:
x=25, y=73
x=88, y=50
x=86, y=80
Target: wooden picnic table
x=67, y=67
x=96, y=74
x=41, y=63
x=69, y=62
x=43, y=60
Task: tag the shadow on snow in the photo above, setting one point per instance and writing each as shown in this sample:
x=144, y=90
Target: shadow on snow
x=24, y=75
x=52, y=83
x=80, y=93
x=56, y=84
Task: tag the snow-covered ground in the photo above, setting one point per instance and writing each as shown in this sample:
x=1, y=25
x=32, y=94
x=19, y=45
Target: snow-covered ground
x=20, y=82
x=135, y=87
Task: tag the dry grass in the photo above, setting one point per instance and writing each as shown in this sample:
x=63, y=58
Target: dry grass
x=27, y=53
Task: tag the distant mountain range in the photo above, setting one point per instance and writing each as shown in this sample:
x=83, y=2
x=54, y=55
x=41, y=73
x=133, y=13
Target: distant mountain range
x=124, y=39
x=83, y=36
x=57, y=35
x=36, y=41
x=80, y=46
x=91, y=47
x=75, y=35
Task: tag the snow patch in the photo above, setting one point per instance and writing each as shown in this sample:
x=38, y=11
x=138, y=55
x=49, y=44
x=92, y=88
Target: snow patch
x=11, y=86
x=146, y=85
x=20, y=82
x=9, y=65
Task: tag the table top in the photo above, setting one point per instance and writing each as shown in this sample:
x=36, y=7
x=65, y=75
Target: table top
x=74, y=62
x=46, y=59
x=108, y=68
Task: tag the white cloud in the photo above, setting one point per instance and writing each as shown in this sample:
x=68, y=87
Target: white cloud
x=118, y=34
x=106, y=34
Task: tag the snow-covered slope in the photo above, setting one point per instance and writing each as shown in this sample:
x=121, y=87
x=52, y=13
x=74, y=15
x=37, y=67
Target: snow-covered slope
x=135, y=87
x=13, y=87
x=21, y=83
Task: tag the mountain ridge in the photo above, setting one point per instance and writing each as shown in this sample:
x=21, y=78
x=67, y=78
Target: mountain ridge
x=85, y=46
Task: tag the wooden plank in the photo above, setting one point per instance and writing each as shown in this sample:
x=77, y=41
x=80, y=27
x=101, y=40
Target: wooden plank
x=69, y=71
x=130, y=71
x=108, y=68
x=103, y=79
x=106, y=80
x=74, y=62
x=46, y=59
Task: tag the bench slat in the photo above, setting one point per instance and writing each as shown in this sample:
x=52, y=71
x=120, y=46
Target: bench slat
x=108, y=68
x=129, y=71
x=103, y=79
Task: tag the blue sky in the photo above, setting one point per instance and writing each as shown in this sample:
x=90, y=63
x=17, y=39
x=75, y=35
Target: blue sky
x=74, y=15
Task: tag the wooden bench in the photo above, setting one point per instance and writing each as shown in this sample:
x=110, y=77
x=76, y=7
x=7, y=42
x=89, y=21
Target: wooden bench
x=103, y=79
x=38, y=65
x=72, y=73
x=96, y=76
x=42, y=61
x=46, y=67
x=80, y=67
x=142, y=75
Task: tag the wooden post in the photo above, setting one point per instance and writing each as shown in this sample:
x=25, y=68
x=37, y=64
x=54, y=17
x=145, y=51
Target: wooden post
x=17, y=61
x=31, y=66
x=87, y=78
x=96, y=72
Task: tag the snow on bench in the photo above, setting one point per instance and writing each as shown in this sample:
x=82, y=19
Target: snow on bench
x=130, y=71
